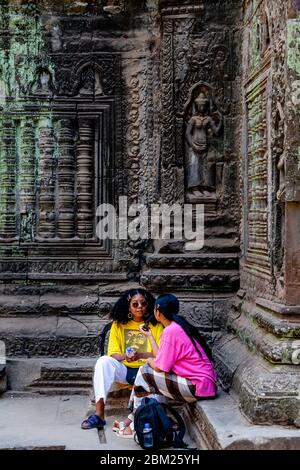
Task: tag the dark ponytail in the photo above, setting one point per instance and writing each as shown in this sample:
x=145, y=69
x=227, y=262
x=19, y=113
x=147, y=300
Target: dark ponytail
x=193, y=334
x=168, y=305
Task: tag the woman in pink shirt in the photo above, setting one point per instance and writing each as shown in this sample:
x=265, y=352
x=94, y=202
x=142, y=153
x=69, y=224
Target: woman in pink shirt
x=182, y=368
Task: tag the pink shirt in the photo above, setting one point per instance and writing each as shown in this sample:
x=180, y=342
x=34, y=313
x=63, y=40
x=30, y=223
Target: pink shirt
x=178, y=354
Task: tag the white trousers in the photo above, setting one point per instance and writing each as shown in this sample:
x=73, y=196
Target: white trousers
x=107, y=371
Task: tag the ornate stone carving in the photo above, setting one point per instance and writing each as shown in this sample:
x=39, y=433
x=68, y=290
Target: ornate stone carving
x=133, y=135
x=228, y=282
x=258, y=175
x=27, y=167
x=8, y=228
x=168, y=171
x=205, y=121
x=94, y=267
x=13, y=267
x=92, y=76
x=194, y=262
x=269, y=397
x=52, y=266
x=90, y=82
x=44, y=84
x=52, y=347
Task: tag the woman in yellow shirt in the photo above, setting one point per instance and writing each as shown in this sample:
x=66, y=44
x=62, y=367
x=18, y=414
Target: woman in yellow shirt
x=121, y=364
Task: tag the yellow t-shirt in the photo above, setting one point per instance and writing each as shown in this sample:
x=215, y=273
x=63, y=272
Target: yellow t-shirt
x=122, y=336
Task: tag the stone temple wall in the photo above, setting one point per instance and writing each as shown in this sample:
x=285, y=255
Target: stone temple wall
x=74, y=135
x=162, y=101
x=96, y=101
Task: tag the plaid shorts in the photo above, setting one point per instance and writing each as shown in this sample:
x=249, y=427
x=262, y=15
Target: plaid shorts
x=149, y=382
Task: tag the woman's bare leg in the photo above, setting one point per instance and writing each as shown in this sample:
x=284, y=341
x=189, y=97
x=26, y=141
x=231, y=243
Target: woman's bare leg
x=100, y=408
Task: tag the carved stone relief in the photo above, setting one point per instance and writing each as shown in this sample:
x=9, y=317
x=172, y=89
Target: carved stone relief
x=203, y=120
x=59, y=168
x=258, y=176
x=198, y=55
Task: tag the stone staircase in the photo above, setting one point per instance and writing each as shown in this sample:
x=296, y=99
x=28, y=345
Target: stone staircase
x=69, y=377
x=63, y=379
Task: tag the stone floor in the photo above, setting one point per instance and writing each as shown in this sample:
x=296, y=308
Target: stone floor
x=36, y=421
x=218, y=425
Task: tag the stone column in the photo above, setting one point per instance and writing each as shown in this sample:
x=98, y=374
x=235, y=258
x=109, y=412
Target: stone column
x=292, y=170
x=27, y=179
x=85, y=178
x=66, y=174
x=264, y=359
x=47, y=183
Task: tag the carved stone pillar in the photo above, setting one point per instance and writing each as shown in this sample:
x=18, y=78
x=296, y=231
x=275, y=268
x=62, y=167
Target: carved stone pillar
x=47, y=183
x=27, y=196
x=66, y=174
x=168, y=171
x=8, y=229
x=292, y=159
x=265, y=316
x=258, y=230
x=84, y=169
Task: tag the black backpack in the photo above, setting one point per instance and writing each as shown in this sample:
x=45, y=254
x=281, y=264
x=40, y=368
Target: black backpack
x=166, y=431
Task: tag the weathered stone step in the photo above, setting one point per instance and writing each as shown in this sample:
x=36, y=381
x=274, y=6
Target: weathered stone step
x=59, y=374
x=218, y=424
x=63, y=377
x=61, y=383
x=69, y=377
x=53, y=391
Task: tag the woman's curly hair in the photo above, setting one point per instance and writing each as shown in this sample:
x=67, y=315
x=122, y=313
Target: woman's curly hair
x=120, y=310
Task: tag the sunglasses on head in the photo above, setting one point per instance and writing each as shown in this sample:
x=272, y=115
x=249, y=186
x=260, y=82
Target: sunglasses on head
x=143, y=303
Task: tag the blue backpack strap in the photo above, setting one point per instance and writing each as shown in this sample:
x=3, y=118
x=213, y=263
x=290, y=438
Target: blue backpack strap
x=164, y=418
x=178, y=439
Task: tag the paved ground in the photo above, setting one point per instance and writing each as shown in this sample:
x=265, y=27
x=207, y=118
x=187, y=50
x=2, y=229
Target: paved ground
x=43, y=422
